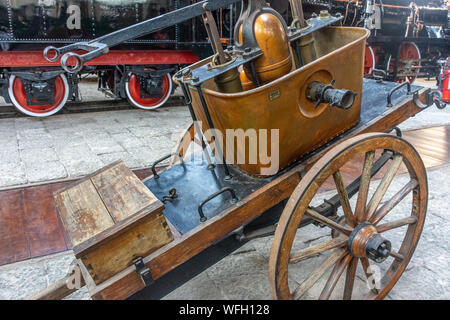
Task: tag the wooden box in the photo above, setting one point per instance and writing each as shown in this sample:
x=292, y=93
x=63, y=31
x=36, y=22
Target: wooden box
x=112, y=218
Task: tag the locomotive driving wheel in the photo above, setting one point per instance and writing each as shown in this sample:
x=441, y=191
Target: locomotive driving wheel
x=374, y=239
x=133, y=92
x=409, y=62
x=18, y=97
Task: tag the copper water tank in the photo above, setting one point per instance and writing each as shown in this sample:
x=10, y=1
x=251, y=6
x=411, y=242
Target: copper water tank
x=271, y=37
x=247, y=84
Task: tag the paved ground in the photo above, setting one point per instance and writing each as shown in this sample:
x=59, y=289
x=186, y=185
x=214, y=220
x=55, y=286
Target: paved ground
x=34, y=150
x=243, y=275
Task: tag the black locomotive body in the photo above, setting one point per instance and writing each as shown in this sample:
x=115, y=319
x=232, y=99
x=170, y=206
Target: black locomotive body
x=407, y=39
x=138, y=70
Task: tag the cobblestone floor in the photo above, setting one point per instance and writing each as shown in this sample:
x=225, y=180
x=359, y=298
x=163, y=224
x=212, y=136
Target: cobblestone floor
x=66, y=146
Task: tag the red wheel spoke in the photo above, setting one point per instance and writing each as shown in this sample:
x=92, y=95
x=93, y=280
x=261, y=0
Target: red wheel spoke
x=388, y=206
x=343, y=196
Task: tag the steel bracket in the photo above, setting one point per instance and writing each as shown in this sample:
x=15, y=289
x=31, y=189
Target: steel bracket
x=143, y=272
x=429, y=99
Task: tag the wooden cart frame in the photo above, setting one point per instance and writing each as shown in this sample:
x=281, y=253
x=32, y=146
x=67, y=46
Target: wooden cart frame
x=379, y=115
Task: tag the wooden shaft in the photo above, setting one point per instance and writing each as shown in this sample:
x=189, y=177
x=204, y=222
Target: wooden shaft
x=343, y=196
x=396, y=224
x=334, y=277
x=384, y=185
x=389, y=205
x=397, y=256
x=350, y=279
x=318, y=248
x=334, y=257
x=330, y=223
x=61, y=288
x=366, y=175
x=366, y=267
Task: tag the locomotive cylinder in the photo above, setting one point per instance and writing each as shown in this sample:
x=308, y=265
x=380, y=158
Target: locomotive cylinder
x=271, y=37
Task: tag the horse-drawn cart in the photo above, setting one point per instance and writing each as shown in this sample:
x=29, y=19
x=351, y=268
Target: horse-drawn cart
x=311, y=100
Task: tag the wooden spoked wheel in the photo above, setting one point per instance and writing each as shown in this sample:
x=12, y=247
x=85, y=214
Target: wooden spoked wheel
x=375, y=239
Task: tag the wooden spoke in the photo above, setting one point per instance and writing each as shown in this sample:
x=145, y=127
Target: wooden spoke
x=334, y=277
x=343, y=196
x=388, y=206
x=316, y=249
x=366, y=267
x=397, y=256
x=334, y=257
x=330, y=223
x=384, y=185
x=396, y=224
x=350, y=279
x=360, y=208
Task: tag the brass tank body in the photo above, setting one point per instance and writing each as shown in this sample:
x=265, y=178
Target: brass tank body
x=271, y=37
x=283, y=104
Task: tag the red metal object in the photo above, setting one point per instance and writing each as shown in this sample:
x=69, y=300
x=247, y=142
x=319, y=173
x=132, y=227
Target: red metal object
x=133, y=90
x=409, y=53
x=369, y=60
x=446, y=84
x=115, y=57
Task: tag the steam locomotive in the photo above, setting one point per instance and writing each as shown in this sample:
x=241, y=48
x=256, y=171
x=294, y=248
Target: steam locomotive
x=408, y=37
x=139, y=70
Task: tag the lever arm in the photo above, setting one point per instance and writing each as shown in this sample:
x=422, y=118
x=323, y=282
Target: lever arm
x=101, y=45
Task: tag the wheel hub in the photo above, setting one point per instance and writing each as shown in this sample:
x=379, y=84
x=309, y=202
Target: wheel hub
x=365, y=241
